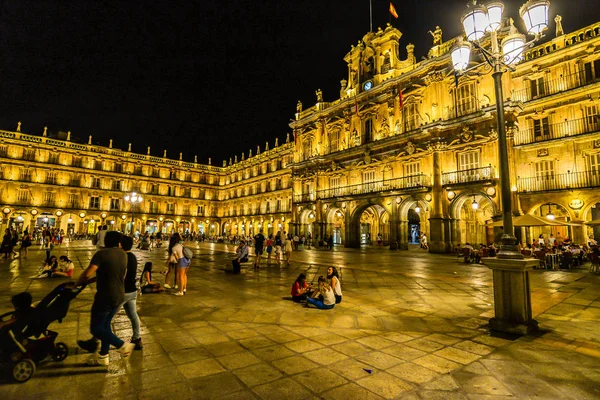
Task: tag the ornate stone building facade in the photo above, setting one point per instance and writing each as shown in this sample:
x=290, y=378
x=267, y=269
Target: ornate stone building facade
x=76, y=187
x=407, y=147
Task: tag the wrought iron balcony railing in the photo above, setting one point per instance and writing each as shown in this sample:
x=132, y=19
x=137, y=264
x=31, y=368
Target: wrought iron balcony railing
x=553, y=86
x=471, y=175
x=558, y=130
x=385, y=185
x=568, y=181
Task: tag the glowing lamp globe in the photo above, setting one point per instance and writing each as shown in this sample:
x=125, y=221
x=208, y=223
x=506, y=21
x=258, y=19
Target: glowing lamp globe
x=512, y=48
x=475, y=22
x=494, y=12
x=535, y=15
x=460, y=56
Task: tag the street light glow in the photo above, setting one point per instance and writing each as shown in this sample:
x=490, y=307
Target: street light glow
x=475, y=22
x=535, y=15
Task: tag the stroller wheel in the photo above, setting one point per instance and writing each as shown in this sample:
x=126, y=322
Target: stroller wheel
x=23, y=370
x=61, y=352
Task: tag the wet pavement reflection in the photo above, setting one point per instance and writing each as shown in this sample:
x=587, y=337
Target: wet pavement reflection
x=411, y=325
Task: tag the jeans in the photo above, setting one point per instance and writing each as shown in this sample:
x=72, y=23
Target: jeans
x=102, y=315
x=129, y=305
x=319, y=304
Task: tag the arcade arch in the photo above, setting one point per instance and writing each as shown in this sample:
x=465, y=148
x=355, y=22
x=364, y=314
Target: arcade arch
x=472, y=212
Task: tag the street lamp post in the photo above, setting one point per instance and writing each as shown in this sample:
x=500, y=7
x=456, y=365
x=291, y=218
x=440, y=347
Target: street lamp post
x=133, y=199
x=511, y=282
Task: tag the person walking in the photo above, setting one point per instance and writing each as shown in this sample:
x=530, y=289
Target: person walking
x=259, y=241
x=288, y=250
x=25, y=244
x=131, y=292
x=109, y=266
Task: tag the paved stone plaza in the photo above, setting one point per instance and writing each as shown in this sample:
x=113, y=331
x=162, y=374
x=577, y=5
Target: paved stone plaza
x=412, y=325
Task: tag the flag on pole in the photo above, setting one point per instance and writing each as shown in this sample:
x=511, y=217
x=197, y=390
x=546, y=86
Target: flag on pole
x=393, y=10
x=400, y=98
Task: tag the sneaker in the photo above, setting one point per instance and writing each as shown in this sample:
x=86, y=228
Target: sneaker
x=97, y=359
x=184, y=290
x=91, y=346
x=175, y=287
x=167, y=286
x=138, y=343
x=179, y=294
x=126, y=350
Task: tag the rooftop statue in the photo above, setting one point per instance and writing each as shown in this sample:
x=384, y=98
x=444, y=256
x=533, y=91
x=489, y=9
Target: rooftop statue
x=319, y=94
x=437, y=36
x=299, y=107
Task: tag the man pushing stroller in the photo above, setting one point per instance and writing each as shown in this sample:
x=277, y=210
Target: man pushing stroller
x=109, y=265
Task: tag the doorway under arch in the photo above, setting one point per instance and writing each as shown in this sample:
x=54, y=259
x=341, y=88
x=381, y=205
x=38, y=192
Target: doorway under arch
x=370, y=223
x=473, y=213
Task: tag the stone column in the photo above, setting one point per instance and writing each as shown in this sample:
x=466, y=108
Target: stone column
x=352, y=233
x=578, y=232
x=437, y=223
x=403, y=235
x=394, y=237
x=512, y=298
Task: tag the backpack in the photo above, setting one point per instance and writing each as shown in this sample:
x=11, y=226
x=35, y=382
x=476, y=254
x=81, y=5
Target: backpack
x=188, y=253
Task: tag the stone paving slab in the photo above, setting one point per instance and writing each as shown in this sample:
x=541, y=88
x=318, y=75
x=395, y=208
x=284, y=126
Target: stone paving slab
x=412, y=326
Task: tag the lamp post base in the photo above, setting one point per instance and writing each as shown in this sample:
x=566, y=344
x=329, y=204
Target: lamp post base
x=512, y=296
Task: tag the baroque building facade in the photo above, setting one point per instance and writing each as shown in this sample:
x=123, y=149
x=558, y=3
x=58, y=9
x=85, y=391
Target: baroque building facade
x=77, y=187
x=410, y=147
x=407, y=147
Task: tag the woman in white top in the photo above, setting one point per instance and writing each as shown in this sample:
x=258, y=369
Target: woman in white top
x=323, y=298
x=334, y=279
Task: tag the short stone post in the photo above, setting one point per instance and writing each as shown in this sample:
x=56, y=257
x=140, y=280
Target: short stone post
x=512, y=298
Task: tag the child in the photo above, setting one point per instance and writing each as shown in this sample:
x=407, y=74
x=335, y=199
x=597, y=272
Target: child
x=66, y=267
x=22, y=305
x=146, y=283
x=300, y=289
x=323, y=298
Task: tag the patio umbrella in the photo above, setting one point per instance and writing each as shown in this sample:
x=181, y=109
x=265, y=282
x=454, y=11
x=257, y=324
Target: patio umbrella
x=595, y=222
x=529, y=220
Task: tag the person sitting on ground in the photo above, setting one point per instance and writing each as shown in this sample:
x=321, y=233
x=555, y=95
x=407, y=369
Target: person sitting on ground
x=334, y=280
x=241, y=255
x=147, y=285
x=66, y=267
x=300, y=289
x=323, y=298
x=49, y=268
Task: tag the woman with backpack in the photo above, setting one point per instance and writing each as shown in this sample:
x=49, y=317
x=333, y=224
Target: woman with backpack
x=182, y=264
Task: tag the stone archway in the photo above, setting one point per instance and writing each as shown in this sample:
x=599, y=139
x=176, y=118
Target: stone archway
x=336, y=224
x=554, y=212
x=413, y=214
x=365, y=222
x=471, y=214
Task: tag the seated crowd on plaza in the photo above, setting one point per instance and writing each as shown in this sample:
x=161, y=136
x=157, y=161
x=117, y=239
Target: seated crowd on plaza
x=552, y=251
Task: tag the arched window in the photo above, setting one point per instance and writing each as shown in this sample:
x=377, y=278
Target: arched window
x=307, y=149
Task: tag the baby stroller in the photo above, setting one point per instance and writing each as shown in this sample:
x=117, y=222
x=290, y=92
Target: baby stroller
x=27, y=341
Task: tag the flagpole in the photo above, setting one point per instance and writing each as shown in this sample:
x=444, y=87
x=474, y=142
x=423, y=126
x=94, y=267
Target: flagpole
x=371, y=14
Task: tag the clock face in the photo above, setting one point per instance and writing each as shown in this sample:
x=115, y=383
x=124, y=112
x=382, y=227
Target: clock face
x=368, y=85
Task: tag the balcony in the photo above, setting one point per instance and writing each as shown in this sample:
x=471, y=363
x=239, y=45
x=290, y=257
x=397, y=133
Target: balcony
x=568, y=181
x=464, y=107
x=305, y=197
x=466, y=176
x=558, y=130
x=405, y=183
x=553, y=86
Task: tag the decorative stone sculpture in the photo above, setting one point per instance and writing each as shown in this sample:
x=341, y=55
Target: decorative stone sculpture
x=299, y=107
x=46, y=131
x=319, y=94
x=19, y=126
x=437, y=36
x=559, y=27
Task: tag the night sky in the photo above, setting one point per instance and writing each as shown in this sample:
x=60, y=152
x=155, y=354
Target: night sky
x=209, y=78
